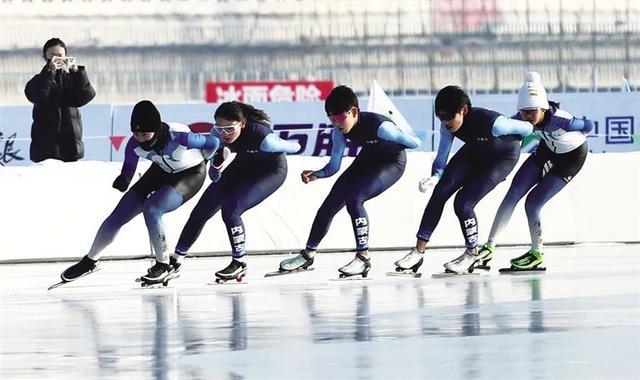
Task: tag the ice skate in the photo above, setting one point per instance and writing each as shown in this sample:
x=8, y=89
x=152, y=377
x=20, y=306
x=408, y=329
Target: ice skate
x=299, y=263
x=410, y=263
x=527, y=263
x=159, y=273
x=80, y=269
x=236, y=270
x=462, y=265
x=359, y=266
x=485, y=254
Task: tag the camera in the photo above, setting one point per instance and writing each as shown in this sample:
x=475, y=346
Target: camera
x=64, y=63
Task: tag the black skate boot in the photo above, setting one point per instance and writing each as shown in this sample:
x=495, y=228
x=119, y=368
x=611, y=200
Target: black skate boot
x=160, y=273
x=358, y=266
x=236, y=270
x=175, y=264
x=80, y=269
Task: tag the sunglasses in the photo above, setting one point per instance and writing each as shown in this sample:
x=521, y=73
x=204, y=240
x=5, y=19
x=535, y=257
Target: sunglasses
x=227, y=129
x=444, y=116
x=338, y=117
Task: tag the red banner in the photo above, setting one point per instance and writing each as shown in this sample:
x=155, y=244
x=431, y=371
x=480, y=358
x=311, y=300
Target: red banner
x=271, y=91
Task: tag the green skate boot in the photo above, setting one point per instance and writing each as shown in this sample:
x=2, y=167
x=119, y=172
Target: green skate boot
x=485, y=254
x=528, y=262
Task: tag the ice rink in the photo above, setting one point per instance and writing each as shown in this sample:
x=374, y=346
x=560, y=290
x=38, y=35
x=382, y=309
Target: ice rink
x=579, y=320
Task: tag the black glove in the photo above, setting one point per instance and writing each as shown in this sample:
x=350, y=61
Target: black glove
x=214, y=173
x=219, y=157
x=121, y=183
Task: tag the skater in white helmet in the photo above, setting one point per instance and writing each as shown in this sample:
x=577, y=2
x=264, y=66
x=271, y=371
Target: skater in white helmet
x=559, y=156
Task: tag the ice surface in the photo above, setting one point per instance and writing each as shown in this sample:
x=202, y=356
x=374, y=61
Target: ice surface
x=579, y=320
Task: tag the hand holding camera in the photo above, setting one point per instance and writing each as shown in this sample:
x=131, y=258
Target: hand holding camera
x=67, y=64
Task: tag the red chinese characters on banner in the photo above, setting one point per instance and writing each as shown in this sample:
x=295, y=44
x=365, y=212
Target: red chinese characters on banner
x=263, y=92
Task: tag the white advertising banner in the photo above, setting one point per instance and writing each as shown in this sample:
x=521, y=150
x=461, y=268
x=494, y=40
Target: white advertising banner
x=106, y=127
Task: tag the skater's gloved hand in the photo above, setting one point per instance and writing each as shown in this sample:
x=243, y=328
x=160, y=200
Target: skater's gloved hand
x=214, y=173
x=121, y=183
x=428, y=183
x=220, y=157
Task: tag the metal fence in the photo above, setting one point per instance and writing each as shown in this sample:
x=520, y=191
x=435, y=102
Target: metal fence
x=410, y=47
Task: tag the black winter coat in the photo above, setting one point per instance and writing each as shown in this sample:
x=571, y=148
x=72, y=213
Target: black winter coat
x=56, y=131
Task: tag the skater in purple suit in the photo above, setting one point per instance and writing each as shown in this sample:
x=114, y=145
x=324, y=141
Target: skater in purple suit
x=257, y=171
x=490, y=152
x=176, y=175
x=379, y=165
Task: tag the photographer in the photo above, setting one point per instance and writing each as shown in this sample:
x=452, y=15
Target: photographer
x=56, y=93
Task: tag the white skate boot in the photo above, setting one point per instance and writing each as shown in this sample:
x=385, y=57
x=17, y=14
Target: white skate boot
x=359, y=266
x=463, y=264
x=410, y=262
x=300, y=261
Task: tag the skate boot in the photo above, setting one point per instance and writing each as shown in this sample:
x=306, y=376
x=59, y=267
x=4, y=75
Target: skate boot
x=485, y=254
x=236, y=270
x=410, y=262
x=528, y=261
x=159, y=273
x=358, y=266
x=80, y=269
x=173, y=261
x=462, y=264
x=299, y=262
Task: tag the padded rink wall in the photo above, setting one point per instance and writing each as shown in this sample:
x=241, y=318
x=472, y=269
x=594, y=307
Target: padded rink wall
x=53, y=210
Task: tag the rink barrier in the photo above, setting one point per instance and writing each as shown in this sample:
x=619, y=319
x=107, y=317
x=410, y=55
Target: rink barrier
x=53, y=210
x=275, y=252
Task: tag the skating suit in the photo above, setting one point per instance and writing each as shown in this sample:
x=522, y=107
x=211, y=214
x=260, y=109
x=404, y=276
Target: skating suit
x=378, y=165
x=491, y=150
x=559, y=156
x=257, y=171
x=176, y=175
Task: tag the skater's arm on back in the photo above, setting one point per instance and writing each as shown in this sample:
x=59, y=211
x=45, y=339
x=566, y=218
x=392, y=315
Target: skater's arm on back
x=197, y=141
x=583, y=125
x=390, y=132
x=505, y=126
x=337, y=151
x=272, y=143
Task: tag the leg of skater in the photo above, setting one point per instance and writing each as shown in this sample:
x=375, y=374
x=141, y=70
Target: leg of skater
x=129, y=206
x=464, y=204
x=246, y=196
x=367, y=187
x=527, y=176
